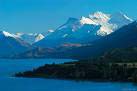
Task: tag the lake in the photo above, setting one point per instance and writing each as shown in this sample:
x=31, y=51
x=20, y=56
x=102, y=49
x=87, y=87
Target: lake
x=9, y=83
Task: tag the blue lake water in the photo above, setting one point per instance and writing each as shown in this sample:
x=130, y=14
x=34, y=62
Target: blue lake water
x=9, y=83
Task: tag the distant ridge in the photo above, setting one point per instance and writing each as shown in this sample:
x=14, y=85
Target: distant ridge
x=10, y=44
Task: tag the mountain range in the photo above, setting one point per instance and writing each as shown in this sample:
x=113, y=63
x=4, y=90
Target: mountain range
x=85, y=29
x=122, y=38
x=82, y=38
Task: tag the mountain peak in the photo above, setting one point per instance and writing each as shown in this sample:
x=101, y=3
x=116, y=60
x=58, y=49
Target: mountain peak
x=85, y=20
x=99, y=13
x=39, y=37
x=6, y=34
x=100, y=16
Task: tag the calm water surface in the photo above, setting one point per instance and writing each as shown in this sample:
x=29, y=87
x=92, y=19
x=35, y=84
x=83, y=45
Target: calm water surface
x=9, y=83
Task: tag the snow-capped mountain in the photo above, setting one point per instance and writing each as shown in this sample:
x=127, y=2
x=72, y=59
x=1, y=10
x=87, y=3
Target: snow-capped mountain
x=125, y=37
x=70, y=32
x=10, y=44
x=39, y=37
x=109, y=23
x=30, y=37
x=85, y=29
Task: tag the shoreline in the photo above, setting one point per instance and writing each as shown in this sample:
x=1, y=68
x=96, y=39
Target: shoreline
x=81, y=72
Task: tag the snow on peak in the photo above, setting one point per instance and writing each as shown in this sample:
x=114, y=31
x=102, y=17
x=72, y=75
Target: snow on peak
x=99, y=17
x=18, y=34
x=50, y=31
x=128, y=18
x=85, y=20
x=109, y=23
x=39, y=37
x=30, y=37
x=6, y=34
x=105, y=29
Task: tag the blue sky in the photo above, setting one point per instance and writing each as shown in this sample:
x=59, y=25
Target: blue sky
x=41, y=15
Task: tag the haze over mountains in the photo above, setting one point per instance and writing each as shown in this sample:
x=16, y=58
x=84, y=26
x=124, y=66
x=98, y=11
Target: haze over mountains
x=93, y=35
